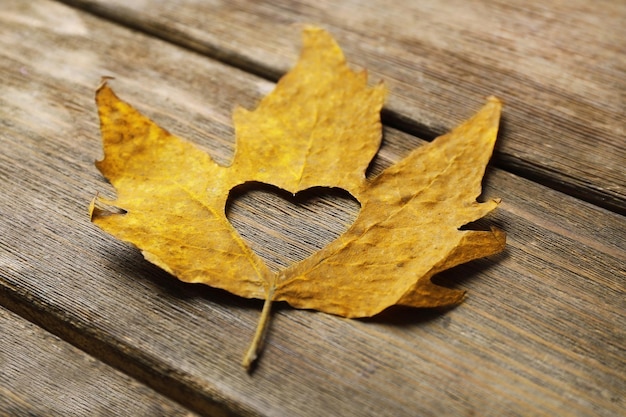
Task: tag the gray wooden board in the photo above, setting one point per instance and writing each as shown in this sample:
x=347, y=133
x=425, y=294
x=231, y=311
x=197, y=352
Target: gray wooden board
x=540, y=334
x=559, y=66
x=41, y=375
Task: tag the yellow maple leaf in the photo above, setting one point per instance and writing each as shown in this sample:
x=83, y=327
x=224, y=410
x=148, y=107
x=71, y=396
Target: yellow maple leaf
x=320, y=127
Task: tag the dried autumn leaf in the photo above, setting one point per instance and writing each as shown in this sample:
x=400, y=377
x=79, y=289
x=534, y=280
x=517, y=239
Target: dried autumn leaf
x=319, y=127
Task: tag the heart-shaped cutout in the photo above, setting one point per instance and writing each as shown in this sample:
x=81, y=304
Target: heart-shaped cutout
x=284, y=229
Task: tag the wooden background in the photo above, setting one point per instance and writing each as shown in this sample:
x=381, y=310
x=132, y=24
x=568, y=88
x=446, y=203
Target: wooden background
x=91, y=328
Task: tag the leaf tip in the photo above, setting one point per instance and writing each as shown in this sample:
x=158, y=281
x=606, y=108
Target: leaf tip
x=154, y=259
x=380, y=90
x=426, y=294
x=96, y=212
x=310, y=28
x=99, y=208
x=499, y=236
x=318, y=42
x=104, y=93
x=104, y=80
x=494, y=105
x=92, y=207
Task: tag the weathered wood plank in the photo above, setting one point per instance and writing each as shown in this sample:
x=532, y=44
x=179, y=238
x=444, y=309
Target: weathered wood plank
x=540, y=333
x=41, y=375
x=560, y=67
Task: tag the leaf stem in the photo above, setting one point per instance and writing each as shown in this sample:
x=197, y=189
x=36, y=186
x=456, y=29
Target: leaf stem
x=259, y=336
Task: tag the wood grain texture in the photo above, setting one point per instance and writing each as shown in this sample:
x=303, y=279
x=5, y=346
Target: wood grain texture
x=541, y=332
x=559, y=66
x=41, y=375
